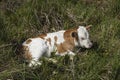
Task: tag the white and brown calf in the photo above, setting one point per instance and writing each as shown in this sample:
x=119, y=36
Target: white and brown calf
x=62, y=42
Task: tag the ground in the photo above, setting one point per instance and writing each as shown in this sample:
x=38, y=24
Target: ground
x=21, y=19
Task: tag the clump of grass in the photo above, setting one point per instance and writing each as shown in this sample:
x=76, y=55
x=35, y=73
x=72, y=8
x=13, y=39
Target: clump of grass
x=22, y=19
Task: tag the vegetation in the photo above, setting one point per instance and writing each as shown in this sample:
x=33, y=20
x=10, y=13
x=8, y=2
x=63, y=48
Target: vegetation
x=21, y=19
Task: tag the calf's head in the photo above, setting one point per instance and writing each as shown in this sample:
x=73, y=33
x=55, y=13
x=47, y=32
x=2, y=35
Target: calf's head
x=83, y=37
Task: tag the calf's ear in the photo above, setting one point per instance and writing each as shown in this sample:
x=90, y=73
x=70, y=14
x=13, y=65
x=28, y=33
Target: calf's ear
x=88, y=27
x=74, y=34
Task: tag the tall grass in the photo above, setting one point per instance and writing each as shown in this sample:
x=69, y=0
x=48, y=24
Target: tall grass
x=21, y=19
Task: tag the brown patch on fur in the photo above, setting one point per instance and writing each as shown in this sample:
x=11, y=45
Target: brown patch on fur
x=49, y=40
x=55, y=38
x=28, y=41
x=27, y=55
x=41, y=36
x=68, y=44
x=60, y=48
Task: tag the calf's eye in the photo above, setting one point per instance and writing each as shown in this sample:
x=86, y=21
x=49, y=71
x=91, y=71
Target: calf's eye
x=82, y=38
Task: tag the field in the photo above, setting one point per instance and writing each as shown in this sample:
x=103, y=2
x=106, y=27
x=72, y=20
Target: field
x=21, y=19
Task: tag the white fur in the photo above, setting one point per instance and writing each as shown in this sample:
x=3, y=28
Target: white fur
x=59, y=35
x=39, y=47
x=83, y=33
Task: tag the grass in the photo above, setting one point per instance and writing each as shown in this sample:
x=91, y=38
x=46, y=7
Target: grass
x=21, y=19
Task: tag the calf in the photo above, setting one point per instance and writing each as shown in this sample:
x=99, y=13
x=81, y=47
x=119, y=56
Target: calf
x=63, y=42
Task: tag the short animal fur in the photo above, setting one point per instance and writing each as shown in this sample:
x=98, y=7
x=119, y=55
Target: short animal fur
x=63, y=42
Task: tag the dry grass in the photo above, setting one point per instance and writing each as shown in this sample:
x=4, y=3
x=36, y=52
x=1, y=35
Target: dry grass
x=21, y=19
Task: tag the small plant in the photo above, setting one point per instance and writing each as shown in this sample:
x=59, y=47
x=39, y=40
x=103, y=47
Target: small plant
x=21, y=19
